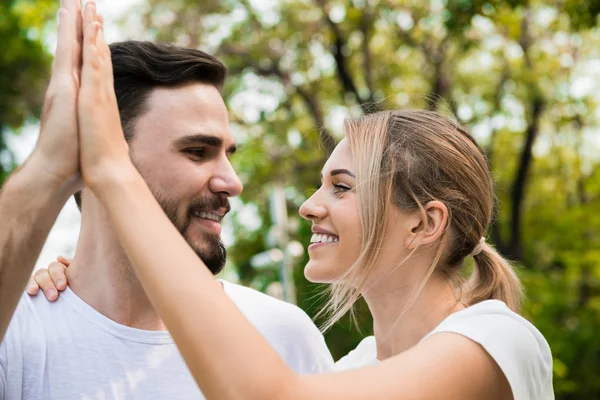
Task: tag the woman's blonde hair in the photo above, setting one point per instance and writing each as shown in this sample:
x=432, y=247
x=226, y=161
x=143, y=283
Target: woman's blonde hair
x=407, y=159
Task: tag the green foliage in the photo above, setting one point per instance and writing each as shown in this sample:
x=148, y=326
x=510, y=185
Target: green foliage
x=510, y=70
x=24, y=63
x=506, y=68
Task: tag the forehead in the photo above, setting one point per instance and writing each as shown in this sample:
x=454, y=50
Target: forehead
x=187, y=110
x=340, y=158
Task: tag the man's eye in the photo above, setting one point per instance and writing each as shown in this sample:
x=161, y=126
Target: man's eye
x=198, y=153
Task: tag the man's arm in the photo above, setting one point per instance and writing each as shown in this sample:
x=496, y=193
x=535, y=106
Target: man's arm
x=29, y=205
x=34, y=195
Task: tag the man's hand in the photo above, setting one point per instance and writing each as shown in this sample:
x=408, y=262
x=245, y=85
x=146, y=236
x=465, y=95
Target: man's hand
x=33, y=195
x=56, y=156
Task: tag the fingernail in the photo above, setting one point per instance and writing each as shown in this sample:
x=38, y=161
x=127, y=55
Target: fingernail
x=31, y=287
x=52, y=293
x=60, y=283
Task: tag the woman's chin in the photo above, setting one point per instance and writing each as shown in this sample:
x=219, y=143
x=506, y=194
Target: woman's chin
x=319, y=272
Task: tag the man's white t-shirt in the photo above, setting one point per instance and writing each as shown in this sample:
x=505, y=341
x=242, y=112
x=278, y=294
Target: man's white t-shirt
x=514, y=343
x=67, y=350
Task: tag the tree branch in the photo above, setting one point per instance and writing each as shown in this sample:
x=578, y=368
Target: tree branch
x=515, y=249
x=498, y=94
x=365, y=24
x=341, y=61
x=515, y=246
x=310, y=100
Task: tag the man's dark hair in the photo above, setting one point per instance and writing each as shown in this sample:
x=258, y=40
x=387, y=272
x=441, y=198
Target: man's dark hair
x=139, y=67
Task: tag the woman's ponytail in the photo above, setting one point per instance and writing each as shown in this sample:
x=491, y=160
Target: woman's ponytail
x=493, y=277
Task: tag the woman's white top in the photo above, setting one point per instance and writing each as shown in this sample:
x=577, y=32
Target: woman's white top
x=514, y=343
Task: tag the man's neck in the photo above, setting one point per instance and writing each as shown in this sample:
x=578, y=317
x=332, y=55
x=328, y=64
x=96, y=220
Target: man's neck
x=102, y=276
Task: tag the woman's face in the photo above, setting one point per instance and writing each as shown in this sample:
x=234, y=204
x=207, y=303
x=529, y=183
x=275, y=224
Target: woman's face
x=333, y=210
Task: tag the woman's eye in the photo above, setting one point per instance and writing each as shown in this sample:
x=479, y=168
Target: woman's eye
x=340, y=189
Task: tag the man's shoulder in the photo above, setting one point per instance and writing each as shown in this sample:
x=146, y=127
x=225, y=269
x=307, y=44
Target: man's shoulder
x=255, y=304
x=26, y=325
x=34, y=315
x=286, y=327
x=36, y=308
x=28, y=310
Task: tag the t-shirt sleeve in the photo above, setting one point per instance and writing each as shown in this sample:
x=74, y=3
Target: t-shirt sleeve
x=12, y=350
x=3, y=371
x=518, y=348
x=312, y=354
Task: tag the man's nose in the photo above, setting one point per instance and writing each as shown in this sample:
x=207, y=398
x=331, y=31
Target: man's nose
x=225, y=180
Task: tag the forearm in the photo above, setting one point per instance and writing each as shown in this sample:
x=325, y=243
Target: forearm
x=205, y=324
x=29, y=205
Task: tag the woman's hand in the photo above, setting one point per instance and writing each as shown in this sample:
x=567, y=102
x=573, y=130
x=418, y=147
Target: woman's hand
x=51, y=280
x=104, y=154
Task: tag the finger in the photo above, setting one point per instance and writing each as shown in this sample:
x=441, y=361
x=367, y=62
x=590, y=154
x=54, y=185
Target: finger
x=64, y=260
x=90, y=31
x=32, y=287
x=64, y=47
x=106, y=59
x=59, y=275
x=70, y=5
x=73, y=7
x=77, y=56
x=45, y=282
x=89, y=17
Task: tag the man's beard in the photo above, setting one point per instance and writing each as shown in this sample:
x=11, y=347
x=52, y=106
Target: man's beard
x=211, y=251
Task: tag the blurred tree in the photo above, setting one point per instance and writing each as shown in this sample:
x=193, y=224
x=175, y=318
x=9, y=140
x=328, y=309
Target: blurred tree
x=24, y=66
x=521, y=74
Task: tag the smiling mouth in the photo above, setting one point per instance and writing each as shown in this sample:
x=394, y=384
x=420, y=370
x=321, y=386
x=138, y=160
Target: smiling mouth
x=323, y=238
x=207, y=215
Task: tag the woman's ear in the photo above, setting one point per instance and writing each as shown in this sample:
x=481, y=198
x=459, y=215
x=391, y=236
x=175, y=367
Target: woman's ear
x=427, y=226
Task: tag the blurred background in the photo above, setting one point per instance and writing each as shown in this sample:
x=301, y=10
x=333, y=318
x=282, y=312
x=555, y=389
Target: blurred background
x=523, y=76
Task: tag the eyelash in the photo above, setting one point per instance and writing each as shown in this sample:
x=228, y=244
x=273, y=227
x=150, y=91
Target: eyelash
x=340, y=189
x=200, y=153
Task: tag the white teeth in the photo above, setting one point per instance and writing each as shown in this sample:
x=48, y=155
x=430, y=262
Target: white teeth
x=319, y=238
x=206, y=215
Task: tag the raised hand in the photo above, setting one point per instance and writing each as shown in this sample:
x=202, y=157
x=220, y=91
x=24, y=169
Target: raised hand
x=57, y=152
x=103, y=150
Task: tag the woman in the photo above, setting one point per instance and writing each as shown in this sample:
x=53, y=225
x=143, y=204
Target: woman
x=405, y=198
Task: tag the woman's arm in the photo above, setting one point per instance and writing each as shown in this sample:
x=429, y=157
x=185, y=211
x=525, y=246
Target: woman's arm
x=227, y=356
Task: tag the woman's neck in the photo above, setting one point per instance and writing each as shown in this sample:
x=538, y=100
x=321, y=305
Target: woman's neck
x=396, y=331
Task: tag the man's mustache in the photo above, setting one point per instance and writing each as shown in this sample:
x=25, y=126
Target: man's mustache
x=210, y=203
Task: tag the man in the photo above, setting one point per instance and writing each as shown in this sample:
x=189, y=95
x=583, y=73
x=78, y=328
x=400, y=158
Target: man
x=102, y=339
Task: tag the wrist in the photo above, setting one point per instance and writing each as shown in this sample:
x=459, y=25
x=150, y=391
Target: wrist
x=112, y=178
x=34, y=175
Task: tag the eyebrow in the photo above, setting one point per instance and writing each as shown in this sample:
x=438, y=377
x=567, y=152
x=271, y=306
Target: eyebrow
x=335, y=172
x=207, y=140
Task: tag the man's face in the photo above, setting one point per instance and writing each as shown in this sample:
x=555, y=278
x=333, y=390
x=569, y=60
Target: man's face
x=181, y=146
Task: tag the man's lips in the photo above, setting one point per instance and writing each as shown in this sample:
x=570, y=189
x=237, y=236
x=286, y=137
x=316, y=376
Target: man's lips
x=216, y=215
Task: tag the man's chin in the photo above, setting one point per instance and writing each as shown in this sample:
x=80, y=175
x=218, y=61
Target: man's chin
x=212, y=253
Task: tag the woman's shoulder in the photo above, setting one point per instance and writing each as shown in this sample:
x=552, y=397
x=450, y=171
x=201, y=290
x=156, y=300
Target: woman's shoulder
x=492, y=320
x=516, y=345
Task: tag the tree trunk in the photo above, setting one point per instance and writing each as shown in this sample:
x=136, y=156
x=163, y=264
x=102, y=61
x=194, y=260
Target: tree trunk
x=515, y=245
